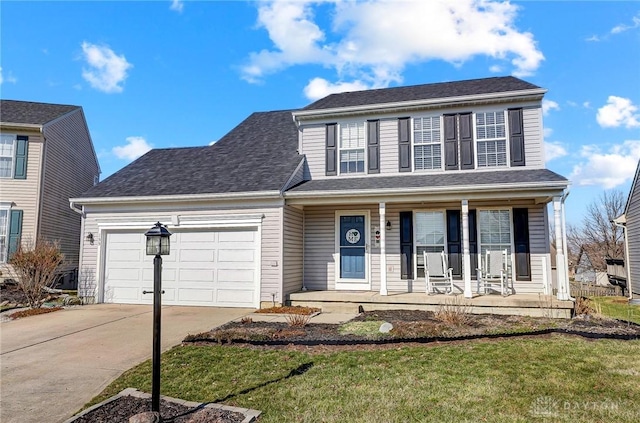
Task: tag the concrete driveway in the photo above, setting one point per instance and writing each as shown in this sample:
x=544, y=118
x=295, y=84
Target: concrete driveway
x=53, y=364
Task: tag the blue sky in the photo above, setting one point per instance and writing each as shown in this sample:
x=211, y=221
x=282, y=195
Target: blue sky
x=155, y=74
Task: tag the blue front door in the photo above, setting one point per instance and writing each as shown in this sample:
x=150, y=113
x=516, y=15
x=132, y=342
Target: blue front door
x=352, y=247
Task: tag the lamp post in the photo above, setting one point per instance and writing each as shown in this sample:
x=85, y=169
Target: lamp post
x=158, y=245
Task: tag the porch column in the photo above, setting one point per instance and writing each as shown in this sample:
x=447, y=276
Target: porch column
x=466, y=257
x=561, y=262
x=383, y=249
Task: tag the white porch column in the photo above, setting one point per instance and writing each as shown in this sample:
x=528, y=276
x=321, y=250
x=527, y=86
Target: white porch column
x=561, y=260
x=466, y=257
x=383, y=249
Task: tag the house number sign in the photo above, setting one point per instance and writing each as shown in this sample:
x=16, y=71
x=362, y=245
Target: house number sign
x=352, y=236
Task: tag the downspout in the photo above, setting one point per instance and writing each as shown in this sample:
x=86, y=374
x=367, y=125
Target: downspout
x=564, y=244
x=621, y=223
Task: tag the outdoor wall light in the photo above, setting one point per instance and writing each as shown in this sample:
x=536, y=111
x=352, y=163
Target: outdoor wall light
x=90, y=238
x=158, y=240
x=388, y=225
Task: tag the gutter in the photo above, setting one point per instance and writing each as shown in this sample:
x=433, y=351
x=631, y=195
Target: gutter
x=389, y=107
x=182, y=197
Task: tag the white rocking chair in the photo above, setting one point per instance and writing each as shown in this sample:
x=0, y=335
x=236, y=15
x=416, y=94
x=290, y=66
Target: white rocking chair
x=494, y=272
x=437, y=272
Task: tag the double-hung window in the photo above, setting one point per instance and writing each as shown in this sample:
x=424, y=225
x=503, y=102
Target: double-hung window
x=427, y=147
x=430, y=230
x=352, y=147
x=495, y=230
x=491, y=136
x=7, y=148
x=4, y=234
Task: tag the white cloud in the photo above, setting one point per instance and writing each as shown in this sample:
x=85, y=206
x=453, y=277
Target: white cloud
x=135, y=147
x=635, y=23
x=8, y=78
x=586, y=105
x=607, y=169
x=617, y=112
x=593, y=38
x=554, y=150
x=318, y=88
x=177, y=5
x=548, y=105
x=547, y=132
x=370, y=42
x=107, y=71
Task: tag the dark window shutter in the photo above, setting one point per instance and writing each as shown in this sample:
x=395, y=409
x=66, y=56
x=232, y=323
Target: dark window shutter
x=516, y=137
x=450, y=142
x=22, y=148
x=331, y=149
x=521, y=241
x=373, y=145
x=454, y=242
x=15, y=231
x=466, y=142
x=406, y=245
x=473, y=243
x=404, y=144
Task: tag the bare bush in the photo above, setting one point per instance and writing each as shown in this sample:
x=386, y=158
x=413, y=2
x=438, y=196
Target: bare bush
x=298, y=320
x=453, y=312
x=36, y=267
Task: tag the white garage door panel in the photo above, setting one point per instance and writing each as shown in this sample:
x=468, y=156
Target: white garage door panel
x=204, y=268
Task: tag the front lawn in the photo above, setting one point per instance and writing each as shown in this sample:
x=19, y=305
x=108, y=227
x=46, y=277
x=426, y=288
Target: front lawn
x=617, y=308
x=552, y=378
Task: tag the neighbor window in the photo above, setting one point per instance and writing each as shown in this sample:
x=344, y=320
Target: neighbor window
x=430, y=227
x=352, y=145
x=7, y=148
x=427, y=150
x=4, y=231
x=495, y=230
x=491, y=139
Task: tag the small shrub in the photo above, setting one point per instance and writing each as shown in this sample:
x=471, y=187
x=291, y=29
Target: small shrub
x=37, y=269
x=453, y=312
x=583, y=307
x=246, y=320
x=298, y=320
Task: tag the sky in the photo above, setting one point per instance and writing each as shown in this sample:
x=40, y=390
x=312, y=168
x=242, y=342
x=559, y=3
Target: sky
x=158, y=74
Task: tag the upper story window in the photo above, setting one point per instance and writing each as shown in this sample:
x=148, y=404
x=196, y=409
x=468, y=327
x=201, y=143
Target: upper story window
x=427, y=147
x=491, y=136
x=7, y=148
x=352, y=147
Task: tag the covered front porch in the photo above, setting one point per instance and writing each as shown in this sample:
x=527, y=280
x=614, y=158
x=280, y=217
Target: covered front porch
x=536, y=305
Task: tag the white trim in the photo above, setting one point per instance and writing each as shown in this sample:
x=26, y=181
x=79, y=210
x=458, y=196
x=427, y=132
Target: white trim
x=520, y=95
x=6, y=206
x=382, y=210
x=13, y=154
x=181, y=197
x=339, y=148
x=413, y=143
x=353, y=284
x=466, y=249
x=476, y=140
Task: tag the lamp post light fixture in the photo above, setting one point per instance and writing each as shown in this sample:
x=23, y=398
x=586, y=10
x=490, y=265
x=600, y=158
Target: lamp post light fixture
x=158, y=246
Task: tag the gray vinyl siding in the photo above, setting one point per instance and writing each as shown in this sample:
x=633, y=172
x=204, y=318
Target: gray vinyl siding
x=297, y=177
x=23, y=194
x=633, y=236
x=69, y=169
x=539, y=248
x=533, y=137
x=313, y=147
x=388, y=146
x=292, y=250
x=271, y=242
x=319, y=248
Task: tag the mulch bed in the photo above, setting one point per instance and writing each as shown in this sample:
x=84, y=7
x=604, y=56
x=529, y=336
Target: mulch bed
x=33, y=312
x=121, y=409
x=410, y=327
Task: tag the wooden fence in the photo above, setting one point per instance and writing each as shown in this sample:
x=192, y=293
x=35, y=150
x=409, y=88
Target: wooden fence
x=579, y=289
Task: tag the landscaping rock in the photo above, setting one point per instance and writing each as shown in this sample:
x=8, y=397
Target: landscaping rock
x=146, y=417
x=386, y=327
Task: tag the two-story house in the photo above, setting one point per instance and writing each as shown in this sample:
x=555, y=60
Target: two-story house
x=342, y=195
x=46, y=157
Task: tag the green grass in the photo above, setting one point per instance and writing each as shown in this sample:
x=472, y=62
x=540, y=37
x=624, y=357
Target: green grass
x=617, y=308
x=512, y=380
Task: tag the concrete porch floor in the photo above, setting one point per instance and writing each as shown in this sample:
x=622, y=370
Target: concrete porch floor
x=351, y=301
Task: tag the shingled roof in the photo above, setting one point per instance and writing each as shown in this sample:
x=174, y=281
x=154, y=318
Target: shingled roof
x=26, y=112
x=422, y=92
x=260, y=154
x=428, y=181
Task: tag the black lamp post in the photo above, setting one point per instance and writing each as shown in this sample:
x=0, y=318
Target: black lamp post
x=158, y=245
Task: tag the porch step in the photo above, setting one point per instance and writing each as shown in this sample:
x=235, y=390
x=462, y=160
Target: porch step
x=352, y=302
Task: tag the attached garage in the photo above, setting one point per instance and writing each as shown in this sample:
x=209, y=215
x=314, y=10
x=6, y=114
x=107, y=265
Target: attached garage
x=206, y=267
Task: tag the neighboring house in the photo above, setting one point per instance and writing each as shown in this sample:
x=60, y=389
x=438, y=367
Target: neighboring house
x=585, y=271
x=344, y=194
x=631, y=221
x=46, y=157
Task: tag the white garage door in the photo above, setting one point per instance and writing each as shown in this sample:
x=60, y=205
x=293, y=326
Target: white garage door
x=205, y=268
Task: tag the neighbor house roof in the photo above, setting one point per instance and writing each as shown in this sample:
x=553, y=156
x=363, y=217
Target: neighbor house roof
x=31, y=113
x=441, y=90
x=432, y=182
x=260, y=154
